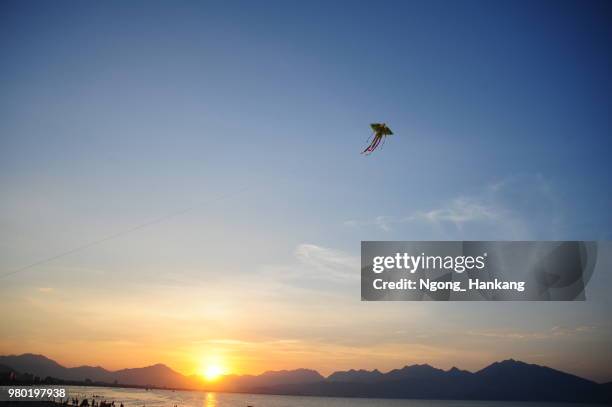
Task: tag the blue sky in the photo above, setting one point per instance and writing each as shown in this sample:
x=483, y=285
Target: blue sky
x=114, y=113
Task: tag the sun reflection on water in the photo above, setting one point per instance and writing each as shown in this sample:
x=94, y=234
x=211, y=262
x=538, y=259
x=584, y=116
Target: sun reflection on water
x=210, y=400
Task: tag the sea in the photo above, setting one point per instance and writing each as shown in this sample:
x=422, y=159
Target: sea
x=167, y=398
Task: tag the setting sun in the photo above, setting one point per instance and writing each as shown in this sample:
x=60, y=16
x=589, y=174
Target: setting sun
x=211, y=372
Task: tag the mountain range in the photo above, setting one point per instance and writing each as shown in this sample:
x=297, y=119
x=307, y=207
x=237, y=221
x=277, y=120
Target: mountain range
x=505, y=380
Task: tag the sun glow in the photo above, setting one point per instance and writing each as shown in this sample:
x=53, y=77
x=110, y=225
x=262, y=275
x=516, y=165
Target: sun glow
x=211, y=372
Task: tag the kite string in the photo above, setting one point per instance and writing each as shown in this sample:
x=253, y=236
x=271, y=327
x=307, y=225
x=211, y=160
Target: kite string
x=124, y=232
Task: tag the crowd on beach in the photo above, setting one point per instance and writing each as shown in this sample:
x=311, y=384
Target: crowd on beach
x=74, y=401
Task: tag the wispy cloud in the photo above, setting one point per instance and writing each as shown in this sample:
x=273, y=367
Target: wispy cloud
x=332, y=262
x=507, y=209
x=313, y=270
x=460, y=211
x=554, y=332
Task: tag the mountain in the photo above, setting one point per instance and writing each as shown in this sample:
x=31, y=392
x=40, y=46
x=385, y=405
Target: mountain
x=270, y=379
x=157, y=375
x=42, y=366
x=515, y=380
x=375, y=376
x=414, y=372
x=506, y=380
x=356, y=376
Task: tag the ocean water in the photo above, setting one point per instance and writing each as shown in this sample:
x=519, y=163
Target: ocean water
x=169, y=398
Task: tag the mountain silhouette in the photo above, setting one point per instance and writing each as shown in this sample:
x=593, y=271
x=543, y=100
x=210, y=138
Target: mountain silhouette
x=506, y=380
x=270, y=379
x=415, y=372
x=356, y=376
x=157, y=375
x=42, y=366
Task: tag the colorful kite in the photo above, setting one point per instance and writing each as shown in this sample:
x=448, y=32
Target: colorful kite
x=381, y=131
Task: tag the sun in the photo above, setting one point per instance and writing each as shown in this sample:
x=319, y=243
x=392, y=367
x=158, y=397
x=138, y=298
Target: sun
x=211, y=372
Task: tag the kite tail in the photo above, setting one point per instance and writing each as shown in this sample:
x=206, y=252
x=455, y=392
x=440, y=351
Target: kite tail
x=372, y=146
x=368, y=149
x=376, y=143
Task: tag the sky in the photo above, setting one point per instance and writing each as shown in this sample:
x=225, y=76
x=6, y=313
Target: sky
x=253, y=115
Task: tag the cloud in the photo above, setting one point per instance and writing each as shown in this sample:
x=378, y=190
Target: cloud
x=333, y=263
x=313, y=269
x=518, y=207
x=459, y=211
x=554, y=332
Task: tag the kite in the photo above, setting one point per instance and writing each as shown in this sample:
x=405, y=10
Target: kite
x=381, y=131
